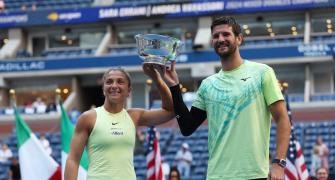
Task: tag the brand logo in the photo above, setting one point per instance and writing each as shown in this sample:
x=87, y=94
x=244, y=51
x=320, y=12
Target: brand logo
x=245, y=79
x=117, y=133
x=53, y=16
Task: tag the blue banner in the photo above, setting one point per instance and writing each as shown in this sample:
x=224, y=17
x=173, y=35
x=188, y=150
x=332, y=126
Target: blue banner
x=195, y=8
x=283, y=53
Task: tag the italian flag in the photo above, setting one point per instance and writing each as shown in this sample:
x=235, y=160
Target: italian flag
x=35, y=163
x=67, y=131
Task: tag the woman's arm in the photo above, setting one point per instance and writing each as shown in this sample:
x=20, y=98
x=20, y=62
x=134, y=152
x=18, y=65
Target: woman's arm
x=156, y=116
x=79, y=140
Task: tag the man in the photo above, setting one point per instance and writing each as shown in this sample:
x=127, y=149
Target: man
x=184, y=161
x=323, y=152
x=14, y=172
x=238, y=102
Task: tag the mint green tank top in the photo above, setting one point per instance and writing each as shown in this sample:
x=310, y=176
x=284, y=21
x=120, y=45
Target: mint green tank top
x=111, y=146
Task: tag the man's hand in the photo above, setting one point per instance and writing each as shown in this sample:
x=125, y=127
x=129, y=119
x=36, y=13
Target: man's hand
x=171, y=76
x=276, y=173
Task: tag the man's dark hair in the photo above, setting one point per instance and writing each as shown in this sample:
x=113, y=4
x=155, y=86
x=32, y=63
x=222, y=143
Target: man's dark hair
x=120, y=69
x=230, y=21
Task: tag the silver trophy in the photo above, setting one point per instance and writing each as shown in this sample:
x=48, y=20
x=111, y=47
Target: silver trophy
x=157, y=49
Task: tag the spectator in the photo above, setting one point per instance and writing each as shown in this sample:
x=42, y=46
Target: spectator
x=51, y=107
x=165, y=168
x=5, y=153
x=33, y=7
x=322, y=174
x=2, y=5
x=39, y=105
x=23, y=7
x=184, y=161
x=316, y=161
x=74, y=115
x=188, y=41
x=45, y=143
x=174, y=174
x=323, y=152
x=14, y=172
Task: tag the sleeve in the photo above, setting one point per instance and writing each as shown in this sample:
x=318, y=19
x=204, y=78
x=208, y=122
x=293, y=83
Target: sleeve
x=271, y=89
x=199, y=101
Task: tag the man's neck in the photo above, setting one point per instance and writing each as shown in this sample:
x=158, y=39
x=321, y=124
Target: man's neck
x=232, y=62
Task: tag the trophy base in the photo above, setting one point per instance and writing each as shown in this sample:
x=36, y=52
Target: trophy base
x=155, y=60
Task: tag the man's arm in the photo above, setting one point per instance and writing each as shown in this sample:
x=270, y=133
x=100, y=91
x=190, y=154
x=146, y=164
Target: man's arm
x=280, y=116
x=78, y=143
x=188, y=121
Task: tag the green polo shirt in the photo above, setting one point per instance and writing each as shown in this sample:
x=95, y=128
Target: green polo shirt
x=237, y=106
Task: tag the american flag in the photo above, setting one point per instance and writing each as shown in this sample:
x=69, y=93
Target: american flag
x=154, y=163
x=295, y=162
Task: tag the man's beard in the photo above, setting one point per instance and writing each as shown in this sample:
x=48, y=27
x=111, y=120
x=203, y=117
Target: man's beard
x=225, y=55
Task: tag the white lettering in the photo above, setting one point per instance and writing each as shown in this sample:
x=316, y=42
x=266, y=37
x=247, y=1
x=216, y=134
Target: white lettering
x=301, y=1
x=267, y=3
x=199, y=7
x=234, y=5
x=25, y=66
x=69, y=16
x=14, y=19
x=166, y=9
x=252, y=4
x=108, y=13
x=133, y=11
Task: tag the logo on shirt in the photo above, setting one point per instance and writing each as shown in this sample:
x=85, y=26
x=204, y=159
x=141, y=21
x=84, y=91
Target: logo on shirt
x=116, y=131
x=245, y=79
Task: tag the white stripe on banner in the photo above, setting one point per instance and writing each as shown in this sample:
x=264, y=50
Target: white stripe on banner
x=34, y=161
x=290, y=167
x=82, y=173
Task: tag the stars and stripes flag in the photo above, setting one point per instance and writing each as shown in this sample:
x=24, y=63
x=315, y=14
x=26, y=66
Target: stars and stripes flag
x=154, y=163
x=296, y=168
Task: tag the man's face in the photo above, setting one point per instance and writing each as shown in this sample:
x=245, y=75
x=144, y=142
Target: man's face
x=224, y=40
x=322, y=174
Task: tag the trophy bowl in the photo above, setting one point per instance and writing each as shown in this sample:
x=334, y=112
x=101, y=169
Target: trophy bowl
x=157, y=49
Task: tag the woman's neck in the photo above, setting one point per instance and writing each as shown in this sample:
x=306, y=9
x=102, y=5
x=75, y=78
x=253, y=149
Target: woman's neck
x=113, y=107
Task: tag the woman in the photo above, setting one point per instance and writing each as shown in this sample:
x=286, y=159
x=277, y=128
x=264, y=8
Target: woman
x=174, y=174
x=109, y=131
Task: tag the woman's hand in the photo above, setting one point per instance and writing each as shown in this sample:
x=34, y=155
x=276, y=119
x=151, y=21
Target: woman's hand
x=154, y=71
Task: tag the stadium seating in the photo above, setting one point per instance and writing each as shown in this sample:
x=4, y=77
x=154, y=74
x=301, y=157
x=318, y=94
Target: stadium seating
x=323, y=39
x=171, y=140
x=272, y=42
x=68, y=53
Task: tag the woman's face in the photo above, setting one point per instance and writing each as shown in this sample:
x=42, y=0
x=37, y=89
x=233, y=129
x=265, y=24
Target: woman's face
x=174, y=175
x=116, y=87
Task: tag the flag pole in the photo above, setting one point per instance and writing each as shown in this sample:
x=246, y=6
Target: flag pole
x=295, y=158
x=12, y=98
x=148, y=97
x=58, y=97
